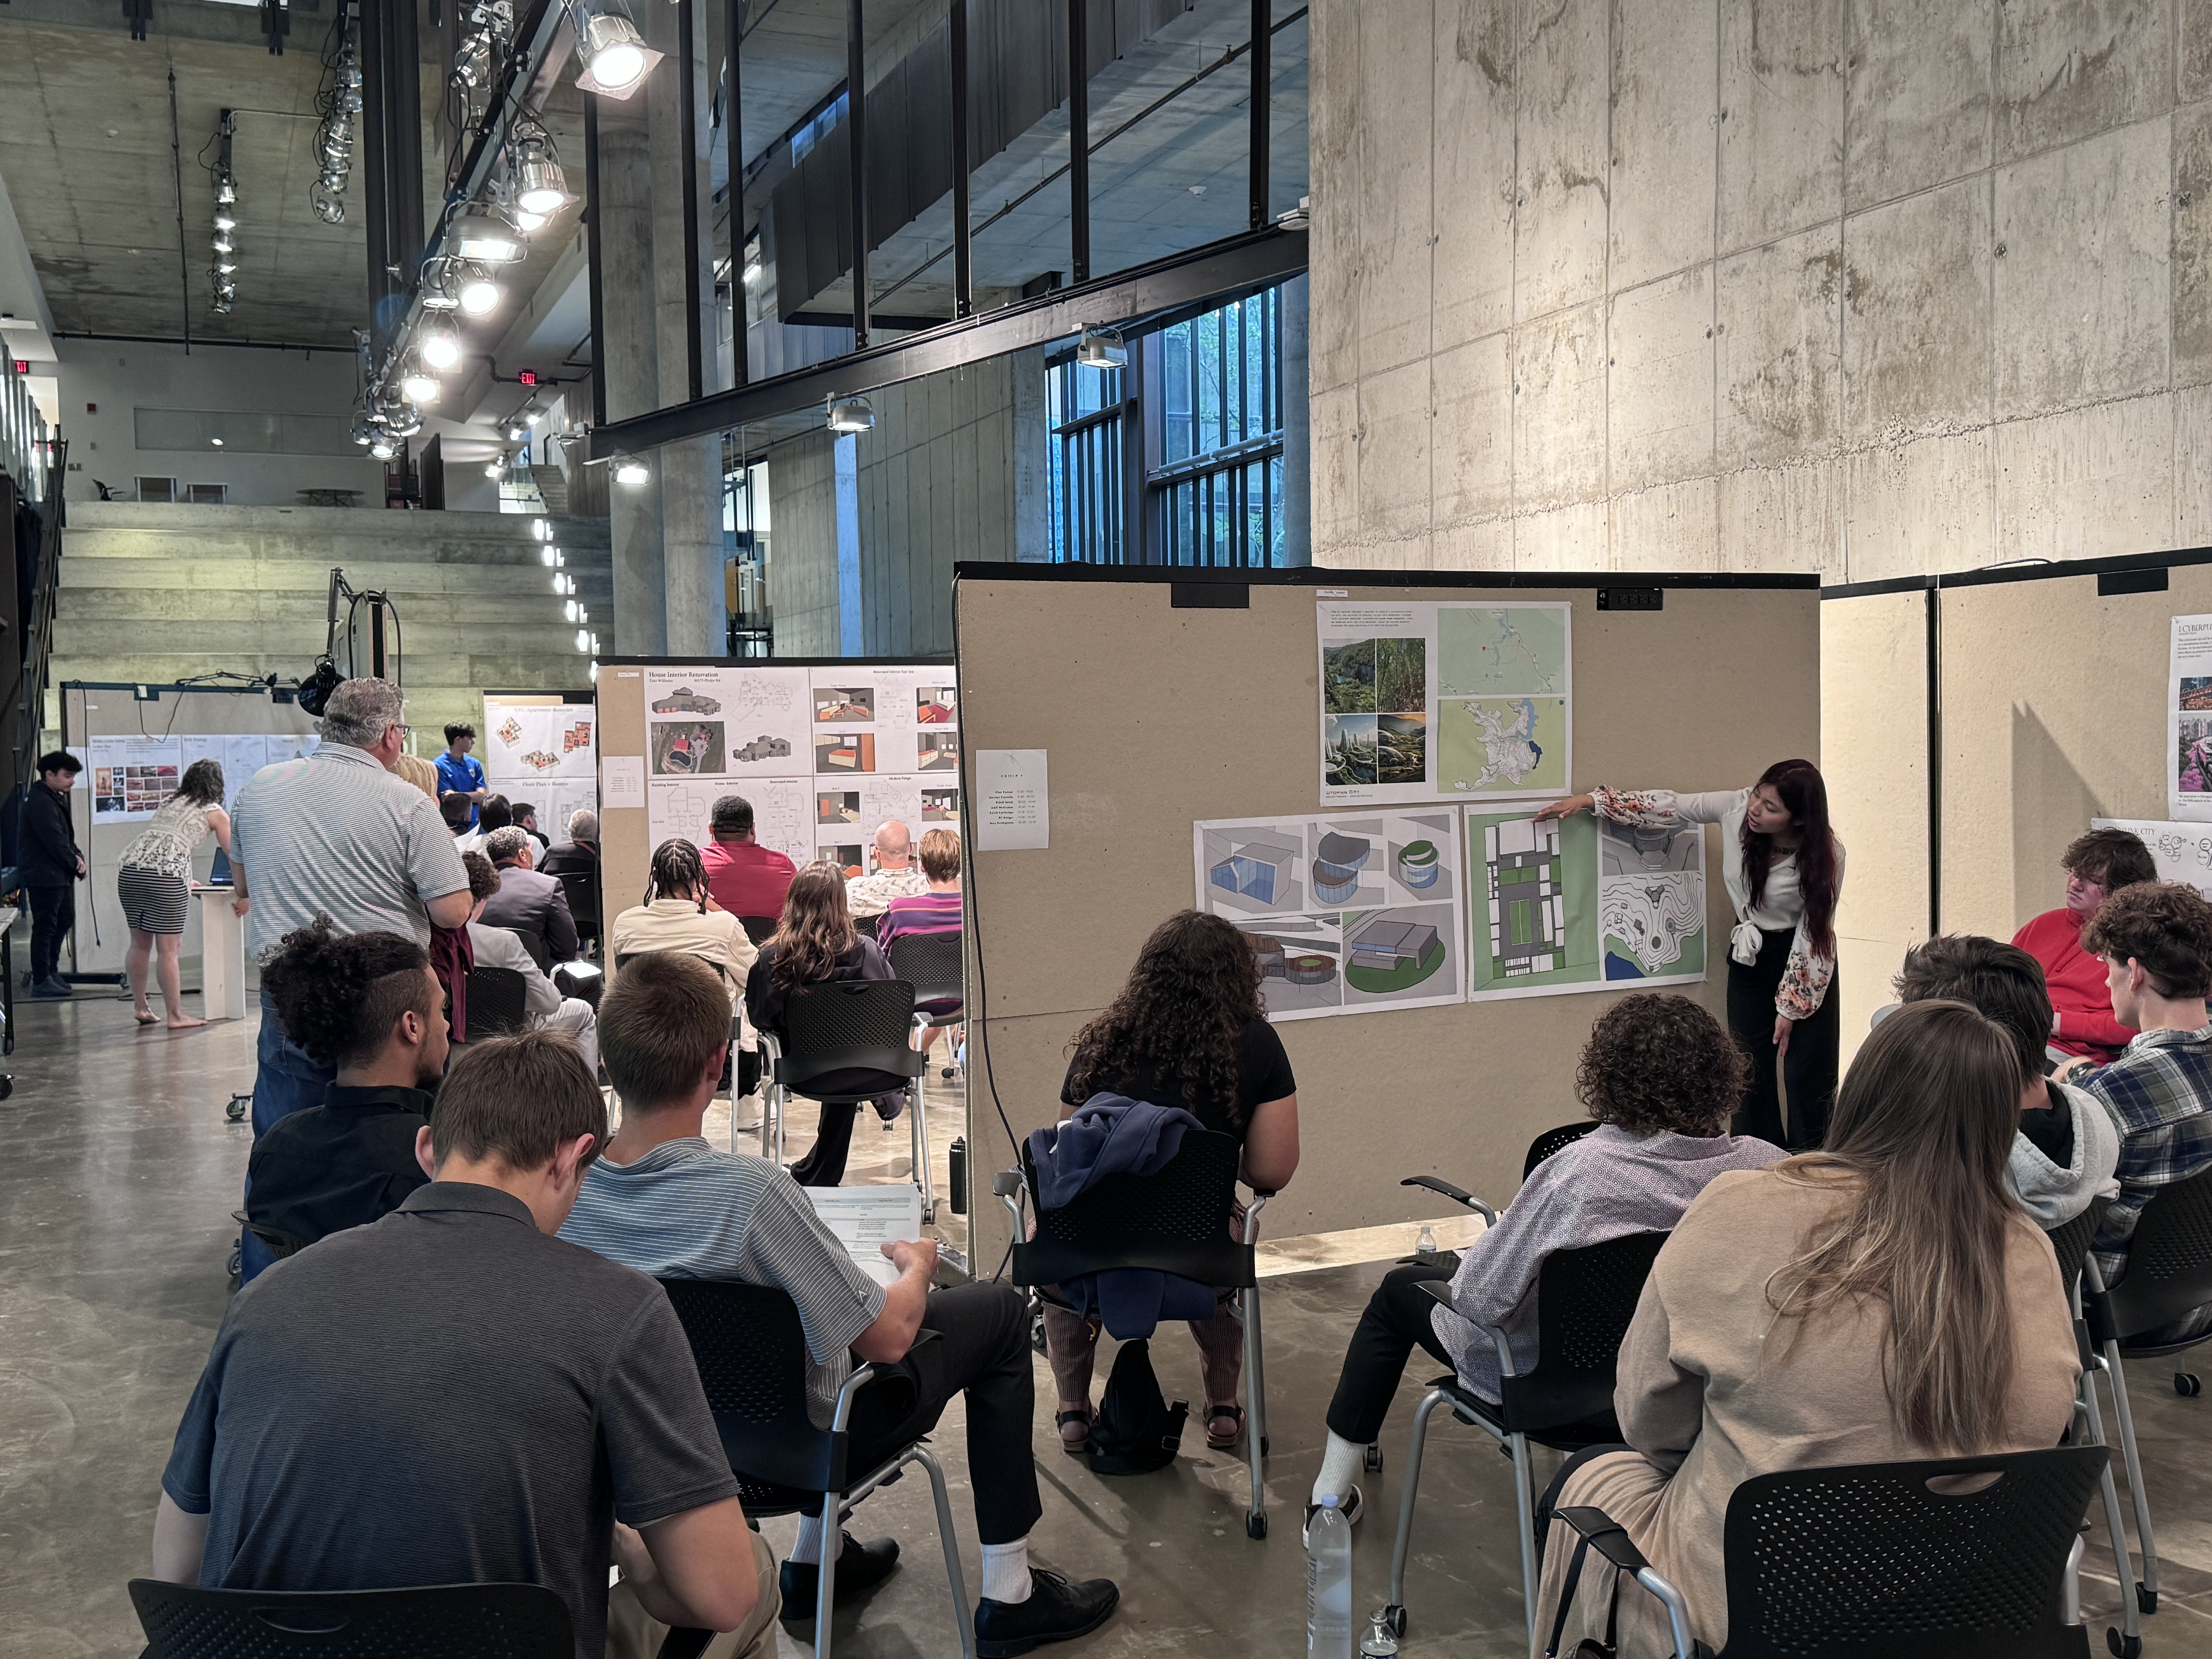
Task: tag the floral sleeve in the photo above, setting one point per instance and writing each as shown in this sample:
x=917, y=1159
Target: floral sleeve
x=1648, y=809
x=1804, y=982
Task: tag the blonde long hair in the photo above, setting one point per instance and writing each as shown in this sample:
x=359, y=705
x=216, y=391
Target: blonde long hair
x=816, y=928
x=1922, y=1126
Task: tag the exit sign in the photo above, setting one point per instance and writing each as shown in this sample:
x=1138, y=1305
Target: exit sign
x=23, y=365
x=525, y=377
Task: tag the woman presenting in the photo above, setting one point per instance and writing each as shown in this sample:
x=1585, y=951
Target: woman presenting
x=1784, y=870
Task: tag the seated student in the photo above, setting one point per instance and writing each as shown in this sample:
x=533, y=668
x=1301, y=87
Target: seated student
x=816, y=943
x=1187, y=1029
x=2155, y=938
x=895, y=875
x=748, y=878
x=460, y=813
x=1662, y=1078
x=936, y=909
x=663, y=1202
x=1879, y=1300
x=498, y=947
x=2063, y=1151
x=453, y=1396
x=368, y=1005
x=525, y=898
x=680, y=914
x=2097, y=866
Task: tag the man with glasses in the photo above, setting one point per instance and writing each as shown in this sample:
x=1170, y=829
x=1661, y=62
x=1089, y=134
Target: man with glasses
x=337, y=835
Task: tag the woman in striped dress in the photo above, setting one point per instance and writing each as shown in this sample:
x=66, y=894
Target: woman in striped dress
x=153, y=879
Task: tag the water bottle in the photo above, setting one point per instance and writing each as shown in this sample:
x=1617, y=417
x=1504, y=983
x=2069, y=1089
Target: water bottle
x=1379, y=1643
x=1328, y=1582
x=1425, y=1246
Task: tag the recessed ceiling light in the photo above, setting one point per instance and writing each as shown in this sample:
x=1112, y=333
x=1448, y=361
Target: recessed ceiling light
x=217, y=442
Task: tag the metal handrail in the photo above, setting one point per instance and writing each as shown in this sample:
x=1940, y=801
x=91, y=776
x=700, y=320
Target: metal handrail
x=38, y=618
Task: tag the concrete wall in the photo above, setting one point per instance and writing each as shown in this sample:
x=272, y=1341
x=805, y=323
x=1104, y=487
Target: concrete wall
x=119, y=377
x=1864, y=286
x=163, y=592
x=802, y=567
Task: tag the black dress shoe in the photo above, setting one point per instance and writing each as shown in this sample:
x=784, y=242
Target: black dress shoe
x=1057, y=1611
x=860, y=1567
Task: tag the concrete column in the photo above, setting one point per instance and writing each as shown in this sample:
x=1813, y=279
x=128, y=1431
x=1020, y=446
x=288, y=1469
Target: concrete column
x=628, y=358
x=1032, y=537
x=802, y=576
x=1298, y=430
x=691, y=520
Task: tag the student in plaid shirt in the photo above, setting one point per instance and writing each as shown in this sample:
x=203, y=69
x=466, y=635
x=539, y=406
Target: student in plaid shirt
x=2156, y=940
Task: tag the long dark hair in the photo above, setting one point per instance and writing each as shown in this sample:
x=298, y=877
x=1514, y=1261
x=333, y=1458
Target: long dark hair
x=1805, y=793
x=1195, y=986
x=202, y=784
x=1924, y=1124
x=677, y=872
x=816, y=928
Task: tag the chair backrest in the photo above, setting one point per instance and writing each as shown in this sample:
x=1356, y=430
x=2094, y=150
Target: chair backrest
x=496, y=1002
x=759, y=929
x=1550, y=1141
x=860, y=1026
x=1585, y=1300
x=866, y=926
x=1175, y=1222
x=933, y=963
x=2069, y=1241
x=2169, y=1259
x=583, y=889
x=534, y=942
x=1868, y=1560
x=445, y=1621
x=751, y=1353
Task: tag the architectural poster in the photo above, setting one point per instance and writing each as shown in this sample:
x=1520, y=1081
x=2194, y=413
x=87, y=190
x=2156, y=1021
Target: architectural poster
x=546, y=754
x=132, y=775
x=2182, y=851
x=2189, y=720
x=1423, y=700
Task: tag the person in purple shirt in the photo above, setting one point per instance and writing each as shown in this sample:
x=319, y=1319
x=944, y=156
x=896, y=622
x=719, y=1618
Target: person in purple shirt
x=937, y=910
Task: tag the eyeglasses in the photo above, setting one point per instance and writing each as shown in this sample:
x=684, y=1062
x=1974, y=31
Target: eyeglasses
x=403, y=730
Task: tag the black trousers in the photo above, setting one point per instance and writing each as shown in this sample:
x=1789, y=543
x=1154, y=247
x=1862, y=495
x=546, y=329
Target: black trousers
x=981, y=1350
x=1808, y=1069
x=1396, y=1318
x=825, y=1162
x=53, y=913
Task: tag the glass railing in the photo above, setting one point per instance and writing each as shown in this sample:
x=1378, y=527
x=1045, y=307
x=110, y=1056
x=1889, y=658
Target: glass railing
x=26, y=443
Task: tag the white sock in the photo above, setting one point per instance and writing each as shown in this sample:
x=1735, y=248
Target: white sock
x=1339, y=1463
x=807, y=1549
x=1006, y=1572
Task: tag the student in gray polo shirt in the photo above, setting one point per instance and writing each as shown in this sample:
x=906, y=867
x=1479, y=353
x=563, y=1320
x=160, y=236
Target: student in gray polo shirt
x=665, y=1203
x=451, y=1395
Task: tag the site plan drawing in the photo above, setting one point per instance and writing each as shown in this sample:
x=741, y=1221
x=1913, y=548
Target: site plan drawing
x=1347, y=913
x=1426, y=699
x=1533, y=916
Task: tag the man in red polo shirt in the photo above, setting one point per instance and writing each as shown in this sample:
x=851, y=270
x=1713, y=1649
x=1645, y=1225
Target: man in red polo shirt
x=746, y=878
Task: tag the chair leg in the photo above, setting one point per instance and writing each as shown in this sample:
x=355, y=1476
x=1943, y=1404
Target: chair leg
x=1524, y=1502
x=1255, y=1516
x=1396, y=1612
x=919, y=1112
x=2147, y=1588
x=2069, y=1598
x=2091, y=1421
x=825, y=1575
x=960, y=1616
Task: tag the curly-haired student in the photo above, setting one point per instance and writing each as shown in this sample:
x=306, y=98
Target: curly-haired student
x=1662, y=1077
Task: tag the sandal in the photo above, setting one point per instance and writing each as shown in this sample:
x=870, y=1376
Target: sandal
x=1217, y=1442
x=1077, y=1445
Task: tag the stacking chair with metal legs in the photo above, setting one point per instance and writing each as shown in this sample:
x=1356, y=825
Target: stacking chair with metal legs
x=2169, y=1277
x=444, y=1621
x=861, y=1028
x=933, y=964
x=751, y=1353
x=1925, y=1560
x=497, y=1002
x=1585, y=1300
x=1175, y=1221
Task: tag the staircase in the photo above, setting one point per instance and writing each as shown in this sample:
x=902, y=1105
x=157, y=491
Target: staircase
x=152, y=593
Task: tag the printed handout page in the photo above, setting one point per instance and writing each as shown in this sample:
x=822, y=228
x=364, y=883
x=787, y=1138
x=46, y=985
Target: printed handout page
x=622, y=781
x=865, y=1218
x=2189, y=720
x=1013, y=800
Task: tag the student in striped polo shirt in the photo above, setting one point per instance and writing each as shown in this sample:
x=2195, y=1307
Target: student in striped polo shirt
x=936, y=910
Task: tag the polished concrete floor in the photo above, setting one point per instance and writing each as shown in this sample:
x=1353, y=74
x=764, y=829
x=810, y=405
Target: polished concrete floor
x=114, y=1231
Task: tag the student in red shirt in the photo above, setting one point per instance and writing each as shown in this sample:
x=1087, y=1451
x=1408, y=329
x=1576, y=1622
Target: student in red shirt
x=746, y=878
x=2097, y=866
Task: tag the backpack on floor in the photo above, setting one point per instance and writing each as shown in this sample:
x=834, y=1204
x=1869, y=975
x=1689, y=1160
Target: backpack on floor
x=1135, y=1430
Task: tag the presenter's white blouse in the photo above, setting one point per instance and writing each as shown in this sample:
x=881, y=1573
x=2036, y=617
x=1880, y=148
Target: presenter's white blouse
x=1806, y=978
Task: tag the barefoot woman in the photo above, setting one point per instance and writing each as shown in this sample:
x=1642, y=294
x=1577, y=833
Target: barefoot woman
x=1784, y=870
x=153, y=878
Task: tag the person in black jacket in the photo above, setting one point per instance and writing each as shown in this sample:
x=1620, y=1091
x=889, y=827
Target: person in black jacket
x=370, y=1006
x=49, y=866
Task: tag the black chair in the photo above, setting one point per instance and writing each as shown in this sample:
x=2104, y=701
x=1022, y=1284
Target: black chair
x=496, y=1004
x=580, y=980
x=445, y=1621
x=934, y=965
x=2169, y=1277
x=581, y=889
x=1873, y=1561
x=858, y=1027
x=534, y=943
x=1551, y=1140
x=751, y=1353
x=1585, y=1300
x=1173, y=1222
x=280, y=1244
x=759, y=929
x=866, y=926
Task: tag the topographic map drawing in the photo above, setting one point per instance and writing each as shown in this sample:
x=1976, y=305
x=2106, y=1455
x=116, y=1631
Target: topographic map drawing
x=1651, y=902
x=1503, y=691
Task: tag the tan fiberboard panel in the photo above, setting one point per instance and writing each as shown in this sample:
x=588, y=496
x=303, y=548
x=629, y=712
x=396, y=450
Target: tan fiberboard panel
x=2054, y=713
x=625, y=843
x=1874, y=749
x=1153, y=717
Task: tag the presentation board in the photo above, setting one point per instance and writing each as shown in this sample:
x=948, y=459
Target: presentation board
x=1212, y=680
x=825, y=749
x=543, y=748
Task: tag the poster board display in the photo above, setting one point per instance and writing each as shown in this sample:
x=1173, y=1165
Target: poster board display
x=1456, y=1088
x=132, y=774
x=2182, y=850
x=544, y=749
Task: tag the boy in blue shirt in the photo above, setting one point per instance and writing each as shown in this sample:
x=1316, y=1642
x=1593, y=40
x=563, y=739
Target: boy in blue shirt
x=460, y=773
